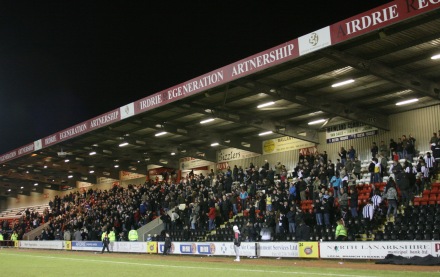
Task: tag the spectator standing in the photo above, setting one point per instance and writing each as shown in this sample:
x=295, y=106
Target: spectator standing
x=368, y=213
x=357, y=167
x=430, y=164
x=336, y=182
x=353, y=202
x=243, y=198
x=377, y=171
x=392, y=197
x=211, y=218
x=383, y=149
x=393, y=147
x=404, y=147
x=302, y=189
x=376, y=200
x=343, y=201
x=374, y=150
x=326, y=211
x=318, y=209
x=343, y=154
x=399, y=148
x=292, y=192
x=77, y=235
x=303, y=232
x=433, y=141
x=174, y=217
x=291, y=219
x=67, y=236
x=351, y=153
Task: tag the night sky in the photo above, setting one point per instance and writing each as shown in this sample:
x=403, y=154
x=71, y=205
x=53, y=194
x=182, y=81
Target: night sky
x=64, y=62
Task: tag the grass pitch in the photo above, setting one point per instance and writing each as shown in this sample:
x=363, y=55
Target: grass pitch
x=23, y=262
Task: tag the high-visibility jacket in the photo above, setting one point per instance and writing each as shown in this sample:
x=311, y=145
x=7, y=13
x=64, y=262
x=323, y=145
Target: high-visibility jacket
x=14, y=236
x=341, y=231
x=112, y=236
x=133, y=235
x=1, y=236
x=268, y=200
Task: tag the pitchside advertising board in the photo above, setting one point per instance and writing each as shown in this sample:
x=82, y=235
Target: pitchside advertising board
x=118, y=246
x=378, y=250
x=42, y=244
x=262, y=249
x=304, y=249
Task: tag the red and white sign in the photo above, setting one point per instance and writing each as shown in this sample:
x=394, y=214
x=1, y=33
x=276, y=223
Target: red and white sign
x=380, y=17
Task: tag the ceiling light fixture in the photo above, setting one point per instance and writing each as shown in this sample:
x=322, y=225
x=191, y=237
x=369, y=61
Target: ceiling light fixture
x=123, y=144
x=21, y=187
x=172, y=153
x=265, y=133
x=316, y=121
x=116, y=165
x=91, y=171
x=206, y=120
x=92, y=153
x=160, y=134
x=407, y=102
x=342, y=83
x=265, y=104
x=66, y=160
x=214, y=144
x=435, y=57
x=36, y=185
x=70, y=176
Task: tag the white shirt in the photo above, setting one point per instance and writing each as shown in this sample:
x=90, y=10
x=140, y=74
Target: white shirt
x=368, y=211
x=265, y=233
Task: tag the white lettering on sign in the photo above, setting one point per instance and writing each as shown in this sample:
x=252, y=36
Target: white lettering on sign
x=152, y=101
x=8, y=156
x=73, y=131
x=26, y=149
x=104, y=119
x=370, y=20
x=259, y=61
x=50, y=140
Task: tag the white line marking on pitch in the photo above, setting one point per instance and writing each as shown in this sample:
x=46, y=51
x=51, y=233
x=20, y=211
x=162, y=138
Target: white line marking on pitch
x=189, y=267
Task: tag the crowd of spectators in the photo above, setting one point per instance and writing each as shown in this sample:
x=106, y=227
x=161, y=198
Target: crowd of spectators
x=270, y=197
x=29, y=220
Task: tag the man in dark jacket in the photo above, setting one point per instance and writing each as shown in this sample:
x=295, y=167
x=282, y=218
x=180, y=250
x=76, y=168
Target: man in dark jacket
x=167, y=244
x=353, y=202
x=303, y=232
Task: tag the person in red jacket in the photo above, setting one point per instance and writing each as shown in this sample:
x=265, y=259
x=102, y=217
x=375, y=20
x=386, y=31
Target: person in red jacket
x=211, y=216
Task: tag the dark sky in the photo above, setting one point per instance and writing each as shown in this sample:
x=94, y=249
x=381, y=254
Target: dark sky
x=64, y=62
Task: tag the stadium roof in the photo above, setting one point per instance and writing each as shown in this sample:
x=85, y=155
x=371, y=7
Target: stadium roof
x=386, y=55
